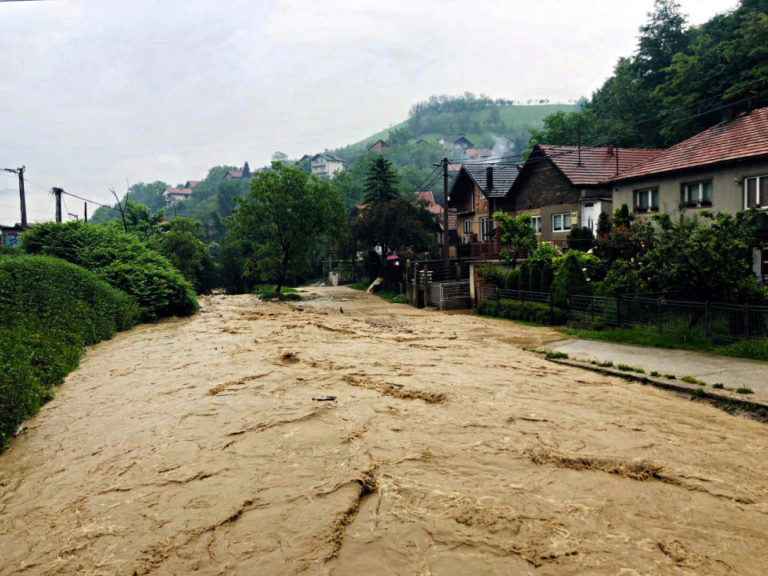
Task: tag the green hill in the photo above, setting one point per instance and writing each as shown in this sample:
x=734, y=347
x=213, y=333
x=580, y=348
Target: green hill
x=484, y=124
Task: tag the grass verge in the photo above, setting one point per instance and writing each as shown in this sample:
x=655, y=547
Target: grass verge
x=751, y=349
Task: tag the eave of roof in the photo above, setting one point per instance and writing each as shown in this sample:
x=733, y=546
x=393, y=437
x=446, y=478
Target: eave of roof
x=744, y=138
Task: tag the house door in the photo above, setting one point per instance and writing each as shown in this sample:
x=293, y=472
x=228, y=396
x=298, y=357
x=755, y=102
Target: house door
x=590, y=211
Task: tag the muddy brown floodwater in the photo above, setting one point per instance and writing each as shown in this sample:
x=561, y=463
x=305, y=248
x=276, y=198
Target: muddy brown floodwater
x=273, y=438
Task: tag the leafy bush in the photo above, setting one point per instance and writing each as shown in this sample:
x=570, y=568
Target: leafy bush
x=570, y=279
x=49, y=310
x=121, y=260
x=512, y=281
x=622, y=278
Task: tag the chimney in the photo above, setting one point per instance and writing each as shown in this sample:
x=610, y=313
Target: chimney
x=489, y=178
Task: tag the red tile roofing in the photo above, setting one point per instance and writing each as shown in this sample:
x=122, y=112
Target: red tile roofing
x=742, y=138
x=585, y=166
x=478, y=152
x=432, y=207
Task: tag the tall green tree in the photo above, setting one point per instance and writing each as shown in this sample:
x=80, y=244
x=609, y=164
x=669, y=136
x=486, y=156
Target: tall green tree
x=284, y=213
x=381, y=182
x=517, y=237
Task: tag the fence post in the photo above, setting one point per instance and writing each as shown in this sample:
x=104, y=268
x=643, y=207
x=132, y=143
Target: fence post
x=659, y=310
x=551, y=309
x=592, y=309
x=498, y=297
x=706, y=319
x=618, y=310
x=746, y=321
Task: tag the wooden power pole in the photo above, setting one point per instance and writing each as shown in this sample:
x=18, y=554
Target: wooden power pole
x=446, y=256
x=57, y=192
x=20, y=172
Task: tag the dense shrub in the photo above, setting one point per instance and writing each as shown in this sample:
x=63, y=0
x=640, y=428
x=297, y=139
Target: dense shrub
x=569, y=279
x=120, y=259
x=527, y=311
x=512, y=281
x=49, y=310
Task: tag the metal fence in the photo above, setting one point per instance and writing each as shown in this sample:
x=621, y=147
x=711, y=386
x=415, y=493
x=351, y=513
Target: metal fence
x=719, y=322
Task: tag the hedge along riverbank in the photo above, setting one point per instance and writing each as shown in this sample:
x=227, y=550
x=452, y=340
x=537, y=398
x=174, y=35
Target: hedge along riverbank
x=49, y=311
x=527, y=311
x=120, y=259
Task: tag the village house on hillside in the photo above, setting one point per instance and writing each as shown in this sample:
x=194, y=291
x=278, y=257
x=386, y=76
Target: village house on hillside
x=326, y=165
x=378, y=146
x=723, y=169
x=564, y=187
x=180, y=194
x=478, y=192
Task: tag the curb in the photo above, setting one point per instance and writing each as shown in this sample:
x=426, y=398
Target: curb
x=721, y=399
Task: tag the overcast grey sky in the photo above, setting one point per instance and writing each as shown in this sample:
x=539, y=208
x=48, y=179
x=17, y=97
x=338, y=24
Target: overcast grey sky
x=95, y=93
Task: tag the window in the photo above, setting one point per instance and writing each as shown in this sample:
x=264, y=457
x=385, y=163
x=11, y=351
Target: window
x=646, y=200
x=536, y=224
x=467, y=226
x=561, y=222
x=755, y=191
x=486, y=230
x=697, y=194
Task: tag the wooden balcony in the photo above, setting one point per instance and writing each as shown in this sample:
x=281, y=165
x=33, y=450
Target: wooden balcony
x=479, y=250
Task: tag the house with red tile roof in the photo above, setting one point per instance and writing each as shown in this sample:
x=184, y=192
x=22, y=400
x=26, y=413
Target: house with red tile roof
x=564, y=187
x=723, y=169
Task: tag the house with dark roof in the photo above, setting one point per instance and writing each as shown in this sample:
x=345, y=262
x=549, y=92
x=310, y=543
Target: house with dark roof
x=478, y=191
x=326, y=165
x=378, y=146
x=564, y=187
x=462, y=143
x=723, y=169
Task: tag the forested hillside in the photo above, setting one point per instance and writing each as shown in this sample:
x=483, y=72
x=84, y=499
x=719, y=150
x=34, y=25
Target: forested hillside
x=681, y=80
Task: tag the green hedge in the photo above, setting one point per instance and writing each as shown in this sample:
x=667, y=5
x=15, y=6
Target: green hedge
x=49, y=310
x=527, y=311
x=120, y=259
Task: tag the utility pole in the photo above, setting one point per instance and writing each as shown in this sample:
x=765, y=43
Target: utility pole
x=57, y=192
x=85, y=211
x=20, y=172
x=446, y=256
x=122, y=212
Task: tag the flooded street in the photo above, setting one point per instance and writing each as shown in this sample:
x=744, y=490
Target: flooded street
x=291, y=438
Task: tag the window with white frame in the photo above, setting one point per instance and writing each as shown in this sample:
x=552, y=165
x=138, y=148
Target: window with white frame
x=646, y=200
x=696, y=194
x=467, y=226
x=561, y=222
x=536, y=224
x=755, y=191
x=486, y=225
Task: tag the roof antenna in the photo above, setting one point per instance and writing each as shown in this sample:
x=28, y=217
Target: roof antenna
x=579, y=163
